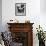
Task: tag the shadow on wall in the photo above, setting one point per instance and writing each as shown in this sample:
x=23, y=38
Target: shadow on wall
x=43, y=6
x=0, y=15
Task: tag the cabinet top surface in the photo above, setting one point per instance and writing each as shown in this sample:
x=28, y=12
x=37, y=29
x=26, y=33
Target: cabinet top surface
x=19, y=23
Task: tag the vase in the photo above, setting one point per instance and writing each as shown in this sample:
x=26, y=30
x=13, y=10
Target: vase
x=41, y=43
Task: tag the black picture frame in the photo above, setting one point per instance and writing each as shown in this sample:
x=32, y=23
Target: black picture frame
x=20, y=9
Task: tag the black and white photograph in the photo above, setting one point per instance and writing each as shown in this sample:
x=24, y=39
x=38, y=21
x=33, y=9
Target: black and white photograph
x=20, y=9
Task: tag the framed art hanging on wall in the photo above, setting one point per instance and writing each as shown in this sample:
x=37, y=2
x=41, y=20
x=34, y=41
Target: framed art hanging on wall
x=20, y=9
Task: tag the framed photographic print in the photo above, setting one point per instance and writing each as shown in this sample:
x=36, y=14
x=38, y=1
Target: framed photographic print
x=20, y=9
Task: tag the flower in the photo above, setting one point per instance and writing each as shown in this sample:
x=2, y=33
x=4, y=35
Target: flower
x=40, y=33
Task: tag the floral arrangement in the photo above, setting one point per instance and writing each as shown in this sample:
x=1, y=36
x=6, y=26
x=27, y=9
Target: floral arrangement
x=40, y=33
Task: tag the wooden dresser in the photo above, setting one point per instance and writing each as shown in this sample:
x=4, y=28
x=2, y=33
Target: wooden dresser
x=22, y=33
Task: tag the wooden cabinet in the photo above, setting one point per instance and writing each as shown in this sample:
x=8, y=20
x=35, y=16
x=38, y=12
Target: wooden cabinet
x=22, y=33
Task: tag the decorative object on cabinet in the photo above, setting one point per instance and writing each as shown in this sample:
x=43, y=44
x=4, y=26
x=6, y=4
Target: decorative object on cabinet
x=20, y=9
x=13, y=21
x=22, y=33
x=27, y=21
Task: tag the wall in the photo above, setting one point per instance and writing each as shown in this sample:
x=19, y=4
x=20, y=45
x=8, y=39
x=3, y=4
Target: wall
x=43, y=14
x=0, y=15
x=43, y=6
